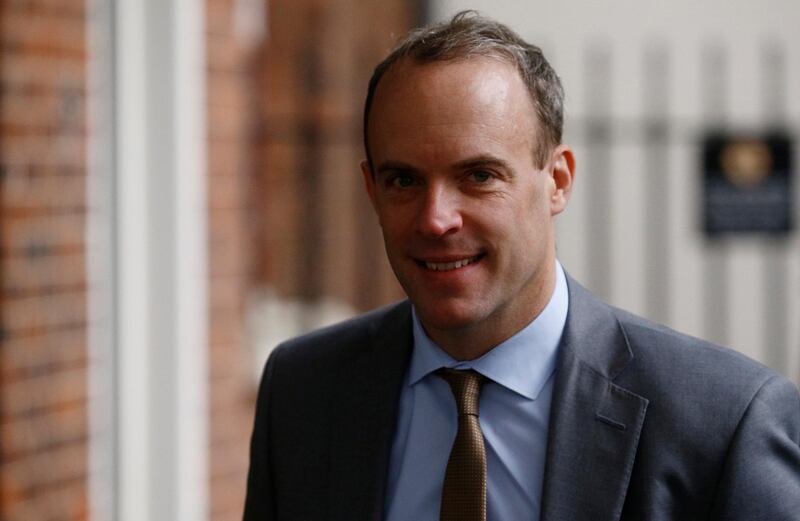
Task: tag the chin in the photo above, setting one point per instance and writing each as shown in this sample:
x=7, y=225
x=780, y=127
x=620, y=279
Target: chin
x=446, y=318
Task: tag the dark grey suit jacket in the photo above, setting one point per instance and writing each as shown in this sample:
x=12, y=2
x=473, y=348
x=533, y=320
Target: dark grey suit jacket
x=646, y=424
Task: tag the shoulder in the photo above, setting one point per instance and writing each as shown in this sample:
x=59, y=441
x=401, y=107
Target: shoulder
x=685, y=358
x=343, y=338
x=694, y=379
x=299, y=373
x=321, y=351
x=681, y=376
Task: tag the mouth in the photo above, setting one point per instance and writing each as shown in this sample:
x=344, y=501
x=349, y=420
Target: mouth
x=450, y=265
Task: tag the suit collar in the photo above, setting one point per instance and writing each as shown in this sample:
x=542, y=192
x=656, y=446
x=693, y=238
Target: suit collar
x=594, y=423
x=363, y=424
x=608, y=352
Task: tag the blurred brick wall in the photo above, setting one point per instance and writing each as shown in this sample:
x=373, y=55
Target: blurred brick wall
x=43, y=372
x=318, y=234
x=231, y=390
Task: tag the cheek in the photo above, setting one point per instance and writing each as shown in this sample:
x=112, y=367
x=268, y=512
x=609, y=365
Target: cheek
x=522, y=210
x=526, y=222
x=393, y=226
x=538, y=207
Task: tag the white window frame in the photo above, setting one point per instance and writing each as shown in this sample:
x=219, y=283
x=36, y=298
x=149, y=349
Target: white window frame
x=148, y=267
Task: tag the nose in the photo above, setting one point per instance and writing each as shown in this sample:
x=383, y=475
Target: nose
x=440, y=213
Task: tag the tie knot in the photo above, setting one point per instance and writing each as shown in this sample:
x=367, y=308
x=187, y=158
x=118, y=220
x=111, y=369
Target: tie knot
x=466, y=388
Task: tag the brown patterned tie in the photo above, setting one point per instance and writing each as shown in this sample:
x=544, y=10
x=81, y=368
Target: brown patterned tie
x=464, y=492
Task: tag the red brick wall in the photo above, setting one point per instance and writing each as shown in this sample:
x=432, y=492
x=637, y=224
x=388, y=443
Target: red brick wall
x=229, y=165
x=43, y=374
x=318, y=235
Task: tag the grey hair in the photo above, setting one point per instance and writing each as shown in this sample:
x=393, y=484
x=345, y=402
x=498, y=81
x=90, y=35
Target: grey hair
x=467, y=35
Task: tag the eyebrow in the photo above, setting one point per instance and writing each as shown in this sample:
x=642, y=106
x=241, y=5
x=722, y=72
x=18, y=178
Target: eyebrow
x=483, y=161
x=394, y=166
x=479, y=161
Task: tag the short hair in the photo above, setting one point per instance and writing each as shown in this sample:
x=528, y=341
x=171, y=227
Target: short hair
x=467, y=35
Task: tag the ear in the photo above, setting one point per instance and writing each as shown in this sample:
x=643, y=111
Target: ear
x=563, y=175
x=369, y=182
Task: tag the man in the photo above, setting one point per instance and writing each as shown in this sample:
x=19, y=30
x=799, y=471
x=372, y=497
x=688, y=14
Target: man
x=503, y=390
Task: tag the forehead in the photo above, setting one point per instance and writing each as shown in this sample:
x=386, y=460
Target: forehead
x=481, y=79
x=476, y=96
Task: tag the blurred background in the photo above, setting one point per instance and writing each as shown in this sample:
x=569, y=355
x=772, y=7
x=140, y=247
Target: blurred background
x=180, y=191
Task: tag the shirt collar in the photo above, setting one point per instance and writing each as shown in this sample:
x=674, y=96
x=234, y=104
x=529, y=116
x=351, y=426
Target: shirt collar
x=522, y=363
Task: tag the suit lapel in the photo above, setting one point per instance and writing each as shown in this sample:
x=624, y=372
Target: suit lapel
x=594, y=423
x=363, y=418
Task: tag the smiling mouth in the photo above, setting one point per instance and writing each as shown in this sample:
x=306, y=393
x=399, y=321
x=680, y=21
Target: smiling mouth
x=449, y=266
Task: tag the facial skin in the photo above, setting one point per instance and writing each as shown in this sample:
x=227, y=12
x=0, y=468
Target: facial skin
x=454, y=146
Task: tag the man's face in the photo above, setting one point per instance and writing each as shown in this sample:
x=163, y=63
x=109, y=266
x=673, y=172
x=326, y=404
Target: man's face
x=467, y=214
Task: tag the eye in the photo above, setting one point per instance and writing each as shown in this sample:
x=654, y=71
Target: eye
x=401, y=181
x=481, y=176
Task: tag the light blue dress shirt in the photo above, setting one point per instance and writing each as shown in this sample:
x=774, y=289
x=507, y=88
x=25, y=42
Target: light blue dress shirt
x=514, y=416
